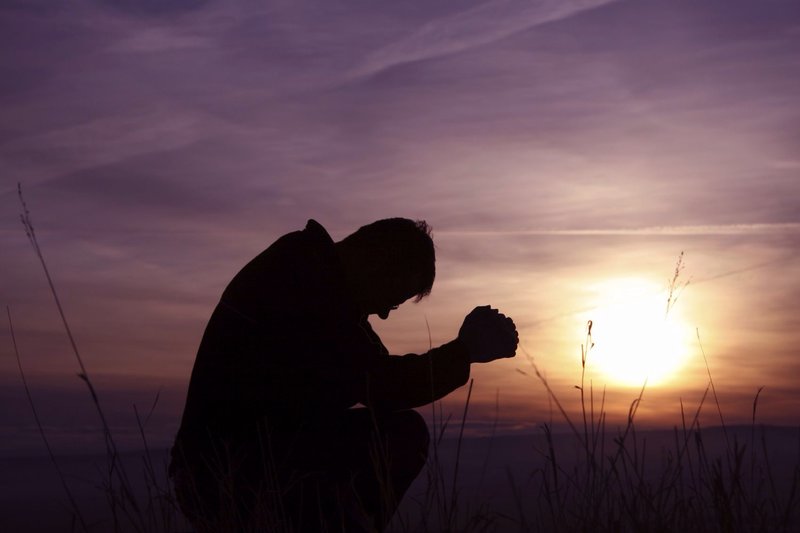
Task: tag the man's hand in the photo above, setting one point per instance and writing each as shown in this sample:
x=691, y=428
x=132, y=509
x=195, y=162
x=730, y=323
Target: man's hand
x=488, y=335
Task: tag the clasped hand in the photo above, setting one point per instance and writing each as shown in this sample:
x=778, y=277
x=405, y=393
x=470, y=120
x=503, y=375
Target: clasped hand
x=488, y=335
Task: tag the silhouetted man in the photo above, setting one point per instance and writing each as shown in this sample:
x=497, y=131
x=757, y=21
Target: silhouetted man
x=269, y=438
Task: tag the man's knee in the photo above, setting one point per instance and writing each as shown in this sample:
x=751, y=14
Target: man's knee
x=409, y=432
x=418, y=428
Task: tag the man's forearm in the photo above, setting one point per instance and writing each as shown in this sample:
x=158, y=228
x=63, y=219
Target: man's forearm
x=412, y=380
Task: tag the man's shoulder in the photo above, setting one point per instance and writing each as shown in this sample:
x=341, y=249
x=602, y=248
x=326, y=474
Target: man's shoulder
x=312, y=236
x=298, y=261
x=313, y=243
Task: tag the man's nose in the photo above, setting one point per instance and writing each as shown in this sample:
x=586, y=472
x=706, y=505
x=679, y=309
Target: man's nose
x=384, y=314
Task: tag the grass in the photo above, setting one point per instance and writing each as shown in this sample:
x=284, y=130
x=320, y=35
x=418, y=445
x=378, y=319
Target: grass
x=614, y=483
x=128, y=512
x=621, y=485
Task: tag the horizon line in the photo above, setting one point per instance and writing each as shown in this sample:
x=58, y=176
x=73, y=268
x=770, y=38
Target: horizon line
x=691, y=230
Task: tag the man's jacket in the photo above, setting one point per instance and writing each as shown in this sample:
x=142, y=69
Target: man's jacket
x=287, y=347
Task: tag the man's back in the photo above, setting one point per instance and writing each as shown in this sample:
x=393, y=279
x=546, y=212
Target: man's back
x=277, y=345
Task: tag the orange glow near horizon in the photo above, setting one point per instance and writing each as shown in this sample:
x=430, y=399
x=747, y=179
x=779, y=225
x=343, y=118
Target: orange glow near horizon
x=636, y=338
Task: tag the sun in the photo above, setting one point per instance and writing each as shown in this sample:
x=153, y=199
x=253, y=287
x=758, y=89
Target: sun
x=636, y=339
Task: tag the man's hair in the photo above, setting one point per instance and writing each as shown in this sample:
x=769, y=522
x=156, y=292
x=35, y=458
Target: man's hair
x=400, y=246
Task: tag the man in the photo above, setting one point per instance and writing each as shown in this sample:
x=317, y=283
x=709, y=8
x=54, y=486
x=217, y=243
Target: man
x=270, y=438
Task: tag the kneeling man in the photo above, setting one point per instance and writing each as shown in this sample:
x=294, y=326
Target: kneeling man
x=270, y=438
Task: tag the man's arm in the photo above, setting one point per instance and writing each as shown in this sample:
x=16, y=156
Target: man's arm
x=415, y=380
x=412, y=380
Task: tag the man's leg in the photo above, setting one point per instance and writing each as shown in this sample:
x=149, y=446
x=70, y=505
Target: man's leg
x=388, y=460
x=359, y=463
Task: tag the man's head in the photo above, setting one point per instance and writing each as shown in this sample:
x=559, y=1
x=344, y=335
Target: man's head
x=388, y=262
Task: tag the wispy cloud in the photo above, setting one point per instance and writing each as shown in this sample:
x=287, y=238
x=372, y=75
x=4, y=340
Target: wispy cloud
x=160, y=39
x=103, y=141
x=479, y=25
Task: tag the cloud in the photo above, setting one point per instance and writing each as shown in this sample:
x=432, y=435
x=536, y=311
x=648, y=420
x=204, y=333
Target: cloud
x=151, y=182
x=154, y=8
x=479, y=25
x=105, y=140
x=161, y=39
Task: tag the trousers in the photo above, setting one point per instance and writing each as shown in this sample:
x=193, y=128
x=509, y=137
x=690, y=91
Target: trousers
x=346, y=473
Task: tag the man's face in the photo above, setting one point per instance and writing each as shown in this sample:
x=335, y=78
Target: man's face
x=386, y=295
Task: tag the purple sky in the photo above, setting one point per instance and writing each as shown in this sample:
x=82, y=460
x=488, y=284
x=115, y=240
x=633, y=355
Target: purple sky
x=552, y=145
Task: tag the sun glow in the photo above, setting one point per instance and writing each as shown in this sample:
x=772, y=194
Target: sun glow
x=636, y=337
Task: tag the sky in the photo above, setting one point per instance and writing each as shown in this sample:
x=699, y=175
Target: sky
x=566, y=153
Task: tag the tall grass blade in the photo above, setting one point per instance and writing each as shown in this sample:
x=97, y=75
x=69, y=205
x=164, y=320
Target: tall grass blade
x=73, y=503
